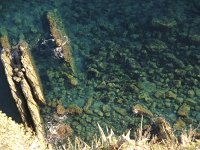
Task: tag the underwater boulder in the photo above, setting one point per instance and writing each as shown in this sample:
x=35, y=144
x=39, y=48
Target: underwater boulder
x=60, y=110
x=179, y=124
x=141, y=110
x=184, y=110
x=155, y=45
x=163, y=23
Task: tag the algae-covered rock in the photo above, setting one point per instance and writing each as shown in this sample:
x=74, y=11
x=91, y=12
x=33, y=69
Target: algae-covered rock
x=64, y=131
x=191, y=102
x=119, y=100
x=197, y=91
x=98, y=112
x=88, y=103
x=177, y=83
x=167, y=104
x=170, y=95
x=197, y=108
x=61, y=40
x=194, y=39
x=163, y=23
x=173, y=59
x=141, y=110
x=187, y=120
x=72, y=80
x=179, y=125
x=60, y=110
x=155, y=45
x=179, y=100
x=191, y=93
x=106, y=108
x=184, y=110
x=159, y=94
x=121, y=111
x=145, y=96
x=74, y=109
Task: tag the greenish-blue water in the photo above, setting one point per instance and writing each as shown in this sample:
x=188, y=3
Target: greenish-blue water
x=126, y=52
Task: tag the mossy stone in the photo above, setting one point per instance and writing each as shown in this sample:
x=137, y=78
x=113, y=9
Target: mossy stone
x=176, y=106
x=179, y=125
x=197, y=91
x=79, y=127
x=89, y=112
x=163, y=23
x=184, y=110
x=197, y=108
x=119, y=100
x=179, y=100
x=155, y=45
x=100, y=113
x=141, y=110
x=167, y=104
x=170, y=95
x=60, y=110
x=191, y=93
x=107, y=114
x=121, y=111
x=187, y=120
x=74, y=109
x=177, y=83
x=145, y=96
x=158, y=94
x=72, y=80
x=88, y=103
x=191, y=102
x=88, y=119
x=106, y=108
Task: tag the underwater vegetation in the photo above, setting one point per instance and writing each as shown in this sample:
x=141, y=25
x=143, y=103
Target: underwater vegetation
x=111, y=62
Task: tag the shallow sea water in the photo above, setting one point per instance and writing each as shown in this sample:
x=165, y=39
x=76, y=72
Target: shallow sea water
x=126, y=53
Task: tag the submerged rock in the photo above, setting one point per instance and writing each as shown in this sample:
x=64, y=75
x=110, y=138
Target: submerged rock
x=63, y=47
x=141, y=110
x=64, y=131
x=170, y=95
x=88, y=103
x=121, y=111
x=74, y=109
x=155, y=45
x=179, y=124
x=184, y=110
x=60, y=110
x=163, y=23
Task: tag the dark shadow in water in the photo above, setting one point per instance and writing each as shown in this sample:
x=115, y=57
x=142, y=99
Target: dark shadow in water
x=7, y=104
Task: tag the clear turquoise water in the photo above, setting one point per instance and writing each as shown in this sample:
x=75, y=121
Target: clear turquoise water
x=112, y=47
